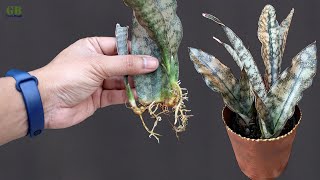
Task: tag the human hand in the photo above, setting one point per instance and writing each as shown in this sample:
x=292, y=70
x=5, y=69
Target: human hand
x=84, y=77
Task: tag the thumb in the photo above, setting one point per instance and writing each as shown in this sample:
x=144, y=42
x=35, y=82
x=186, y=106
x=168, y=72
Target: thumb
x=128, y=64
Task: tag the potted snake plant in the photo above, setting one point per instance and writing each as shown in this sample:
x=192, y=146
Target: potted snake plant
x=261, y=113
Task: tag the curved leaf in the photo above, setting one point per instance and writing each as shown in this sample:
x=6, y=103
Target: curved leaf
x=231, y=51
x=265, y=120
x=246, y=94
x=219, y=78
x=283, y=34
x=287, y=91
x=245, y=56
x=268, y=34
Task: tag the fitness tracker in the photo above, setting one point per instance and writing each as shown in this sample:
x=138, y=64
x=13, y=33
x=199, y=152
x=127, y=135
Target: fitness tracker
x=27, y=85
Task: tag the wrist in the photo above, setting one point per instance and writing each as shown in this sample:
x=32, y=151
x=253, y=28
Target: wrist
x=13, y=116
x=45, y=93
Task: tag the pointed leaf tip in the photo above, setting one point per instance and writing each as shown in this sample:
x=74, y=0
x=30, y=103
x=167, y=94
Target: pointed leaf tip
x=191, y=50
x=285, y=94
x=218, y=40
x=231, y=51
x=269, y=6
x=292, y=11
x=213, y=18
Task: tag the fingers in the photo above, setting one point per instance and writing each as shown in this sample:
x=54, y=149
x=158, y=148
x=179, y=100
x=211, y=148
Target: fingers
x=127, y=65
x=113, y=97
x=105, y=45
x=116, y=83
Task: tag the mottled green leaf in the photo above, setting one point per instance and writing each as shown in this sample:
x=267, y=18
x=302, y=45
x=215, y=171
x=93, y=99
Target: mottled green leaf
x=245, y=56
x=268, y=34
x=157, y=31
x=122, y=34
x=265, y=120
x=148, y=86
x=275, y=95
x=122, y=39
x=232, y=52
x=246, y=94
x=283, y=34
x=287, y=91
x=219, y=78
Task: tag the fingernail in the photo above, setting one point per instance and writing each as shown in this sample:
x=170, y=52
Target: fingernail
x=150, y=63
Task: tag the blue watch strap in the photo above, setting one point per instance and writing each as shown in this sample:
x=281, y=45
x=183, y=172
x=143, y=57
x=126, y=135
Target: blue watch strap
x=27, y=85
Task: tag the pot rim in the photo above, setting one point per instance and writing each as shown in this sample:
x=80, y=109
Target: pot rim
x=261, y=140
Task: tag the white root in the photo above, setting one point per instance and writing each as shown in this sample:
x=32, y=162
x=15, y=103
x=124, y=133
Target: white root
x=156, y=109
x=181, y=117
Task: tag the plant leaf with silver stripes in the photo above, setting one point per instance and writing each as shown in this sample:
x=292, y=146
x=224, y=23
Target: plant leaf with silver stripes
x=283, y=34
x=287, y=91
x=123, y=49
x=219, y=78
x=157, y=31
x=268, y=34
x=245, y=56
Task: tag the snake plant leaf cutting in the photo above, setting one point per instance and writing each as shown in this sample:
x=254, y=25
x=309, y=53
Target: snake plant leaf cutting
x=123, y=49
x=157, y=31
x=271, y=102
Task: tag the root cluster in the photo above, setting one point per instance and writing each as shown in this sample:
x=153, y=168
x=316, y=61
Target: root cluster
x=157, y=109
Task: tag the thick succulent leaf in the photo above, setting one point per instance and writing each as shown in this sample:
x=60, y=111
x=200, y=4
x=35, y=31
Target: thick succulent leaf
x=287, y=91
x=219, y=78
x=175, y=33
x=283, y=34
x=149, y=16
x=232, y=52
x=245, y=56
x=122, y=39
x=265, y=120
x=246, y=94
x=268, y=34
x=123, y=49
x=149, y=86
x=157, y=31
x=163, y=25
x=168, y=10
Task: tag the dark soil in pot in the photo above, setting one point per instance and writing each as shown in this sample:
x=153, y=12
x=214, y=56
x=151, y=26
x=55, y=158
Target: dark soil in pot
x=253, y=131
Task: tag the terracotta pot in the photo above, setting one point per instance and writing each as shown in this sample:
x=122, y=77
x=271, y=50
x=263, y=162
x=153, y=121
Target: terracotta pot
x=261, y=158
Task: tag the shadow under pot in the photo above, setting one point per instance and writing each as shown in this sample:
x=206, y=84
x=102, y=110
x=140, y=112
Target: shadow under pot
x=261, y=158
